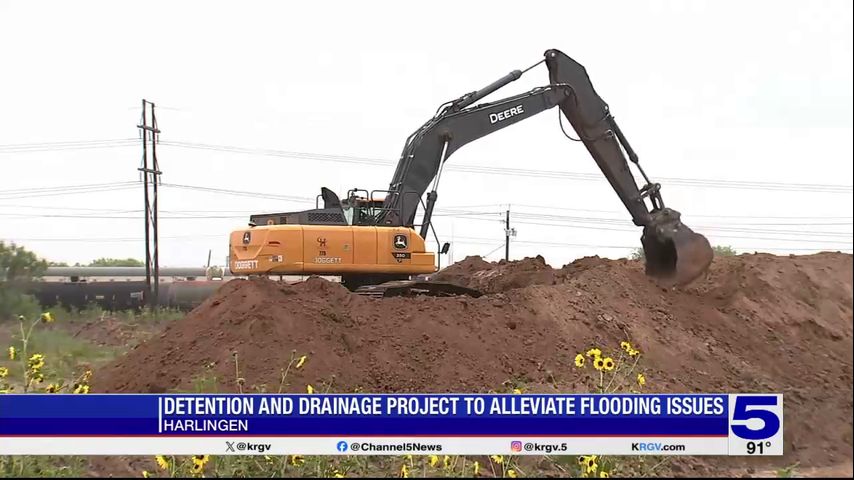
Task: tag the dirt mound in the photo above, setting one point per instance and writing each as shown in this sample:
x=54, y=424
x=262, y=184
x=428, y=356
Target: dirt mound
x=755, y=323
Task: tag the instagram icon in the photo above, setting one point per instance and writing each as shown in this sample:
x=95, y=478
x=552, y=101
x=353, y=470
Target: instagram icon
x=516, y=446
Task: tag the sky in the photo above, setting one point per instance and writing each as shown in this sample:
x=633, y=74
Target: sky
x=741, y=110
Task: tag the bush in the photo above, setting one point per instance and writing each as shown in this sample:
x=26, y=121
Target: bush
x=18, y=266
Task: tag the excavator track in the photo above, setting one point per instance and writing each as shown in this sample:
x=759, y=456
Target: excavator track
x=411, y=288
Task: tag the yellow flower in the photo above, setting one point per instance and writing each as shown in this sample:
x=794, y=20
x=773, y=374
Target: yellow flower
x=582, y=460
x=199, y=462
x=145, y=474
x=599, y=363
x=297, y=460
x=579, y=360
x=36, y=362
x=591, y=464
x=446, y=461
x=434, y=460
x=301, y=361
x=608, y=364
x=47, y=317
x=517, y=391
x=594, y=352
x=309, y=389
x=511, y=473
x=404, y=471
x=81, y=388
x=52, y=388
x=37, y=377
x=634, y=353
x=497, y=459
x=87, y=375
x=476, y=468
x=641, y=379
x=603, y=474
x=4, y=372
x=626, y=346
x=162, y=462
x=337, y=474
x=12, y=353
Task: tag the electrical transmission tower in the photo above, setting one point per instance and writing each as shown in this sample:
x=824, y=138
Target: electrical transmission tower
x=150, y=172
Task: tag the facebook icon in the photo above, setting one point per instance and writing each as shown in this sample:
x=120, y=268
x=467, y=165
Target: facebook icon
x=342, y=446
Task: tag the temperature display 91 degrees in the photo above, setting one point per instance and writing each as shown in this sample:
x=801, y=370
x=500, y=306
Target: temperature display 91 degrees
x=755, y=424
x=758, y=448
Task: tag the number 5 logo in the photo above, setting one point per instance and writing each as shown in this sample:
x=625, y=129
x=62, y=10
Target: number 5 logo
x=750, y=407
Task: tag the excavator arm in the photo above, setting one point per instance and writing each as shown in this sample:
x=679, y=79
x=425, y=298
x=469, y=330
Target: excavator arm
x=673, y=252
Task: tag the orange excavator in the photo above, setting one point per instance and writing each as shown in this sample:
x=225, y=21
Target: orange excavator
x=369, y=239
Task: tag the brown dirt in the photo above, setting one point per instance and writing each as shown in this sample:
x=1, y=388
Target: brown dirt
x=110, y=331
x=755, y=323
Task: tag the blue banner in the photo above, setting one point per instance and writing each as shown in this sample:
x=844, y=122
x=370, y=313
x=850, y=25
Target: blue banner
x=334, y=415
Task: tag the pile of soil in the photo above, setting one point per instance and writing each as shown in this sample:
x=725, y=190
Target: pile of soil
x=755, y=323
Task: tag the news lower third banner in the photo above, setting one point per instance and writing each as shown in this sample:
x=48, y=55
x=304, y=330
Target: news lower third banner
x=364, y=424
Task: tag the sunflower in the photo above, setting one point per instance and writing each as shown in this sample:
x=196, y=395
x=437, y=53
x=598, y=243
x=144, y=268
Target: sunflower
x=434, y=460
x=641, y=379
x=511, y=473
x=52, y=388
x=579, y=360
x=36, y=362
x=594, y=352
x=301, y=361
x=145, y=474
x=297, y=460
x=203, y=459
x=47, y=317
x=499, y=459
x=309, y=389
x=603, y=474
x=404, y=471
x=608, y=364
x=197, y=468
x=446, y=461
x=81, y=388
x=634, y=353
x=626, y=346
x=517, y=391
x=591, y=464
x=4, y=372
x=162, y=462
x=598, y=363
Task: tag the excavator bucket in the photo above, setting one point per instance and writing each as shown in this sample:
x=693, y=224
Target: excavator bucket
x=675, y=254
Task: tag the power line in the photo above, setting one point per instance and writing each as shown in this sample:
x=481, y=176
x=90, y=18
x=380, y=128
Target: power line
x=715, y=183
x=62, y=146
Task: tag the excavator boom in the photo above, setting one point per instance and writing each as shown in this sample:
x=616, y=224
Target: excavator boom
x=673, y=252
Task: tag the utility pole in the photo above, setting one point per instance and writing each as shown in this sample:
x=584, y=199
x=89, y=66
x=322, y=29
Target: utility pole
x=150, y=171
x=508, y=232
